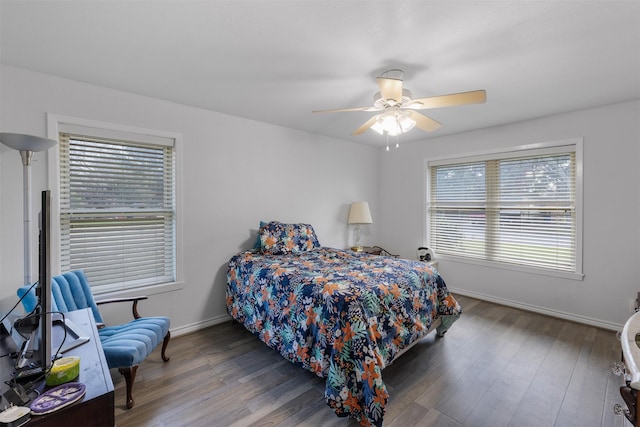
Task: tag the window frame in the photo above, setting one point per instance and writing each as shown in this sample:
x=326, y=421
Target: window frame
x=571, y=144
x=57, y=123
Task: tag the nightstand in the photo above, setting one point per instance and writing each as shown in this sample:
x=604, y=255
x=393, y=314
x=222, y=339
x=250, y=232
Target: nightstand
x=374, y=250
x=377, y=250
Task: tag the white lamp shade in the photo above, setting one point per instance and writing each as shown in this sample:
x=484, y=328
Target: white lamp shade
x=22, y=142
x=359, y=213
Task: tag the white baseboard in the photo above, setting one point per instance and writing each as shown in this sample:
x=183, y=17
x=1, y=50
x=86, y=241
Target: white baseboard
x=186, y=329
x=541, y=310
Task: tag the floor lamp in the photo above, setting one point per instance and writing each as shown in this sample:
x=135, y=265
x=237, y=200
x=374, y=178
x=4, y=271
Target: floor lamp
x=26, y=145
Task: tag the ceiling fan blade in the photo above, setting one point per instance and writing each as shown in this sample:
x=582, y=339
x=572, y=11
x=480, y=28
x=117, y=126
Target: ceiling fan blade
x=390, y=89
x=365, y=126
x=423, y=122
x=340, y=110
x=473, y=97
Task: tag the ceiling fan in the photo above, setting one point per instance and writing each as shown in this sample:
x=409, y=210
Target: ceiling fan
x=398, y=106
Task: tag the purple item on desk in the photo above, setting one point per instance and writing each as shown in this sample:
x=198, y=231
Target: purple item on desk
x=57, y=397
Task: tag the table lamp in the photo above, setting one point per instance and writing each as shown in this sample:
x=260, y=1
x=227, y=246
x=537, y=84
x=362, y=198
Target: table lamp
x=359, y=213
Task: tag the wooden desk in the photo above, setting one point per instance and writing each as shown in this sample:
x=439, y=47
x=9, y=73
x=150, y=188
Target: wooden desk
x=96, y=409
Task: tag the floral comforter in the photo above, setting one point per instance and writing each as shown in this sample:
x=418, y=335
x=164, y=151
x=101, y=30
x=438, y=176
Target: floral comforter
x=340, y=314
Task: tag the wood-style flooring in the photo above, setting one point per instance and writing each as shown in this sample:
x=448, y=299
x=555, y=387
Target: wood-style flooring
x=497, y=366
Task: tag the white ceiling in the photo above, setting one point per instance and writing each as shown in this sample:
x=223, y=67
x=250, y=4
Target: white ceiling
x=276, y=61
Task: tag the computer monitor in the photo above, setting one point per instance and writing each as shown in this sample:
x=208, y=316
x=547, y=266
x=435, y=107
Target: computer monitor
x=52, y=331
x=43, y=290
x=36, y=327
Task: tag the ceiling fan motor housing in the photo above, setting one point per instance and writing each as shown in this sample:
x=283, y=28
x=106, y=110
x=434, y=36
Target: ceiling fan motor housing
x=381, y=103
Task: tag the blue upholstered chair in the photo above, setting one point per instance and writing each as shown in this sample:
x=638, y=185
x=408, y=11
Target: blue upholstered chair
x=125, y=346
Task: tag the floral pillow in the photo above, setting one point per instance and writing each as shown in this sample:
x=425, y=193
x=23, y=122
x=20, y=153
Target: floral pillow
x=258, y=243
x=277, y=238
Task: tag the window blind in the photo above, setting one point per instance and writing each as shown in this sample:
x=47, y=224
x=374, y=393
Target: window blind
x=515, y=210
x=117, y=210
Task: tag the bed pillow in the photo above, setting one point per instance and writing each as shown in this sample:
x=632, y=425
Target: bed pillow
x=277, y=238
x=258, y=243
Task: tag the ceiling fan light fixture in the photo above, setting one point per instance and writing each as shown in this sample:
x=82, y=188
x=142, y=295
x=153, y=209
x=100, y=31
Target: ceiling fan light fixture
x=406, y=122
x=393, y=122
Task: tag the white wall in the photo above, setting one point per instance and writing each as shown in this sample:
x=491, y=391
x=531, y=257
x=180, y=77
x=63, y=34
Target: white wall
x=611, y=212
x=235, y=173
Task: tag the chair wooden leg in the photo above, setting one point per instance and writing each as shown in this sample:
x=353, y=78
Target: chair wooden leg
x=129, y=377
x=165, y=343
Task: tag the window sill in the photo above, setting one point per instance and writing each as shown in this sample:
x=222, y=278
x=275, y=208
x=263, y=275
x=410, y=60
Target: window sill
x=147, y=290
x=520, y=268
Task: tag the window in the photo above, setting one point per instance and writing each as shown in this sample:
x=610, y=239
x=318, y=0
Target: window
x=117, y=207
x=517, y=208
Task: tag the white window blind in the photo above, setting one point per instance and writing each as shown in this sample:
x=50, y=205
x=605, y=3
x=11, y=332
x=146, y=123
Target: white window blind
x=117, y=210
x=518, y=210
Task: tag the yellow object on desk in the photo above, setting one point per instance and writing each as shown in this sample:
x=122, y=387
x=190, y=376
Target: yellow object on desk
x=63, y=370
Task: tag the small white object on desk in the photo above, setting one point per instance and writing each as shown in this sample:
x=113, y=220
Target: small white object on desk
x=15, y=416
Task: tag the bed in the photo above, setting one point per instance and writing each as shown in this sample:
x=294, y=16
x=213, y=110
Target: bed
x=341, y=314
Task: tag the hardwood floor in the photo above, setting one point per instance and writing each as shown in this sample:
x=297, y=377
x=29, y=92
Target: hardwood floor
x=497, y=366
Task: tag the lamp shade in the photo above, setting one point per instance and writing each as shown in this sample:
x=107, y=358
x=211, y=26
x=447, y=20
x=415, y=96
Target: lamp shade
x=359, y=213
x=20, y=142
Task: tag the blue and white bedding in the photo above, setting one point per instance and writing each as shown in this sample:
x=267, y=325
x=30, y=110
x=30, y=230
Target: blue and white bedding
x=340, y=314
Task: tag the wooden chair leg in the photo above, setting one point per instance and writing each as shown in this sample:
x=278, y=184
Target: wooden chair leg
x=165, y=343
x=129, y=377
